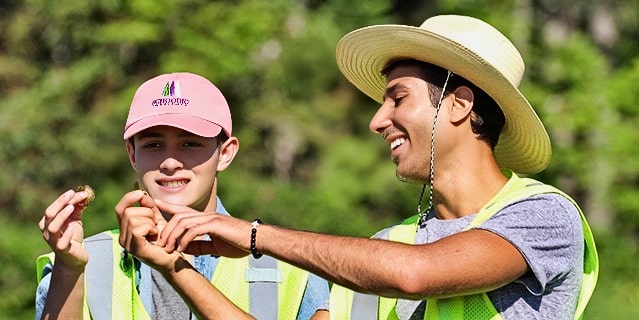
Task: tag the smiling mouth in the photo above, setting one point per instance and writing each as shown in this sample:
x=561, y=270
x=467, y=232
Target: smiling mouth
x=173, y=184
x=396, y=143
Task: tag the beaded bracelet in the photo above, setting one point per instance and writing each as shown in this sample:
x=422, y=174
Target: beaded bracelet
x=254, y=252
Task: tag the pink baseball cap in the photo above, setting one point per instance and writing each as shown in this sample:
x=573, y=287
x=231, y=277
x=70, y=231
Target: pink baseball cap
x=183, y=100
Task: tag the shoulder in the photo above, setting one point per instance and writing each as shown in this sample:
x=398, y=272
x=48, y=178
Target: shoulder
x=547, y=230
x=546, y=219
x=548, y=209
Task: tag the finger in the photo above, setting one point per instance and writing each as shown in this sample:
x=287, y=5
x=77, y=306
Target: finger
x=78, y=199
x=128, y=200
x=170, y=236
x=192, y=230
x=182, y=227
x=131, y=219
x=146, y=200
x=123, y=222
x=64, y=238
x=129, y=237
x=126, y=210
x=55, y=225
x=171, y=209
x=187, y=227
x=136, y=238
x=57, y=205
x=41, y=224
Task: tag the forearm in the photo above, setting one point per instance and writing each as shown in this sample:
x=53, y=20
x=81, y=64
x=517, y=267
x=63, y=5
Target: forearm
x=362, y=264
x=66, y=293
x=466, y=263
x=201, y=296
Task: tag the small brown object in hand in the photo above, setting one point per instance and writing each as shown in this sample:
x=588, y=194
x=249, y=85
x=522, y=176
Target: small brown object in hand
x=137, y=186
x=90, y=195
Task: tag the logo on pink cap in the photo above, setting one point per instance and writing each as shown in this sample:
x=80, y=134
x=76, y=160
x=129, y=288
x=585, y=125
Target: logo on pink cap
x=172, y=88
x=182, y=100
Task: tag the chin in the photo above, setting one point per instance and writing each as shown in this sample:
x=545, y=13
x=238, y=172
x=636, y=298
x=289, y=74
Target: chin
x=410, y=178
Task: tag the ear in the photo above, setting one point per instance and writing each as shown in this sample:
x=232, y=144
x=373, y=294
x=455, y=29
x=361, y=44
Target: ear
x=462, y=104
x=228, y=150
x=130, y=150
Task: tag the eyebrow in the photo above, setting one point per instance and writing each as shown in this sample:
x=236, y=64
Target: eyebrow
x=393, y=88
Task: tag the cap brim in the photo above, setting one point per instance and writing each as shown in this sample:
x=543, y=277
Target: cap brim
x=195, y=125
x=524, y=145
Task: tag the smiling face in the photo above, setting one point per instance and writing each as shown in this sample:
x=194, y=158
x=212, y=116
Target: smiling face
x=405, y=121
x=179, y=167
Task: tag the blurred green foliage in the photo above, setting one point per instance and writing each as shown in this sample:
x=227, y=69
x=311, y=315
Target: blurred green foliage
x=307, y=160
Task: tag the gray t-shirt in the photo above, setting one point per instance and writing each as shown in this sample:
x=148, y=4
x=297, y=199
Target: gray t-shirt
x=547, y=230
x=167, y=303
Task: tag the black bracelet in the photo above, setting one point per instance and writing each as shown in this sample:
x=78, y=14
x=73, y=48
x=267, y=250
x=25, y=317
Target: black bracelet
x=254, y=252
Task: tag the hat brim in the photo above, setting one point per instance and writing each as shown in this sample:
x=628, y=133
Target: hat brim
x=524, y=145
x=195, y=125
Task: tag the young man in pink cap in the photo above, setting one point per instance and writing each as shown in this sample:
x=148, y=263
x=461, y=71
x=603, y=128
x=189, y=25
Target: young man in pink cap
x=489, y=245
x=178, y=137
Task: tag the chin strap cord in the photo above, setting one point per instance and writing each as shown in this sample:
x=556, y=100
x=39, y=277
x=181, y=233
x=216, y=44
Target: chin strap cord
x=423, y=214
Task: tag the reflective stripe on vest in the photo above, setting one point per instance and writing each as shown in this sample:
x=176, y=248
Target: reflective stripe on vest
x=345, y=304
x=265, y=287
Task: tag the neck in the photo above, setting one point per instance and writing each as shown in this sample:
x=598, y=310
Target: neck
x=211, y=206
x=465, y=186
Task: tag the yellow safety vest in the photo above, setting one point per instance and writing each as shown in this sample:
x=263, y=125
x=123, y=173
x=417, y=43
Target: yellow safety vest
x=476, y=306
x=233, y=277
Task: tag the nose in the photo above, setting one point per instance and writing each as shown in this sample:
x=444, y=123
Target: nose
x=171, y=163
x=382, y=119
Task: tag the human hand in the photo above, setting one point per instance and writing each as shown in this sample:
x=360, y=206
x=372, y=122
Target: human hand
x=187, y=224
x=61, y=228
x=140, y=227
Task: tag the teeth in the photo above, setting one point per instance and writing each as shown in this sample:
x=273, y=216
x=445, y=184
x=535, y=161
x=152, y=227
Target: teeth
x=174, y=184
x=396, y=143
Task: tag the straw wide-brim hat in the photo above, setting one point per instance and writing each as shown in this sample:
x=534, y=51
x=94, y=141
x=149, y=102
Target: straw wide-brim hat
x=468, y=47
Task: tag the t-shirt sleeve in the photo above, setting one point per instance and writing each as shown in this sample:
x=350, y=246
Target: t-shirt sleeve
x=547, y=230
x=315, y=297
x=42, y=291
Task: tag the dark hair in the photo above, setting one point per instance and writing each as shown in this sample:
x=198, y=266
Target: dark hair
x=487, y=119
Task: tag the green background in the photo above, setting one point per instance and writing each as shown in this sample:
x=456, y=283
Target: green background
x=68, y=70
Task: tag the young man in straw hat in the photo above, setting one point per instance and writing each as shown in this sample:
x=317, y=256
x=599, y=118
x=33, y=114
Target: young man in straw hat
x=178, y=137
x=489, y=244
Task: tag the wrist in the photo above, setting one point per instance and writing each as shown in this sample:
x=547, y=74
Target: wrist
x=253, y=244
x=179, y=264
x=68, y=271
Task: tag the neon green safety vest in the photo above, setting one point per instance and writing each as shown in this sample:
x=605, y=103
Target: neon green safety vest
x=265, y=288
x=345, y=304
